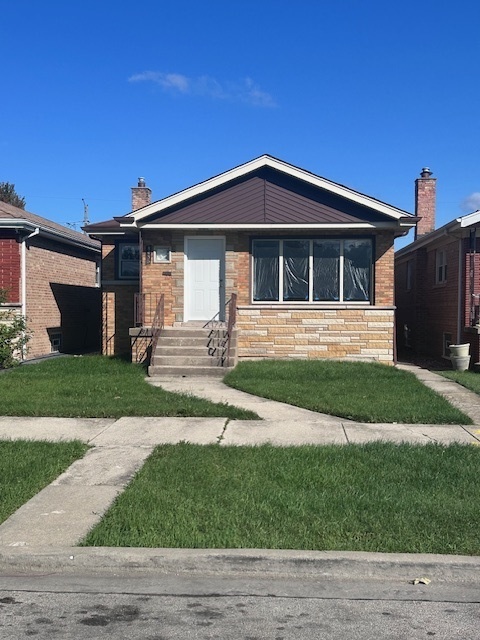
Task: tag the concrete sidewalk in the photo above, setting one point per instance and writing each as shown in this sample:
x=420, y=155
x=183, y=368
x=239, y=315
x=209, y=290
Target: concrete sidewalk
x=62, y=514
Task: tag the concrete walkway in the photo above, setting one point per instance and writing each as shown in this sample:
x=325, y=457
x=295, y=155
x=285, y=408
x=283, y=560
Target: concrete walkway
x=62, y=514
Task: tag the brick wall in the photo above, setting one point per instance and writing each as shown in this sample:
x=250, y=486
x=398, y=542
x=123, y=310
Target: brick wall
x=305, y=332
x=61, y=294
x=117, y=305
x=10, y=264
x=430, y=309
x=286, y=332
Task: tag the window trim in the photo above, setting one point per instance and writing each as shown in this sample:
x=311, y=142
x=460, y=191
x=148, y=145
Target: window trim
x=310, y=301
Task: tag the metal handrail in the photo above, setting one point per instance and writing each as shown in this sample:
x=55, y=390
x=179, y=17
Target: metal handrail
x=148, y=335
x=219, y=340
x=158, y=323
x=144, y=307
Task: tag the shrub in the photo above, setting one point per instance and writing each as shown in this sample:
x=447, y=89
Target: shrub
x=14, y=335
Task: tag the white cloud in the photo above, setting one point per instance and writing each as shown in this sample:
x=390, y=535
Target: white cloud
x=243, y=91
x=471, y=202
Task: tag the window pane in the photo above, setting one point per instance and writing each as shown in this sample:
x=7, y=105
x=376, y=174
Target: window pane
x=357, y=269
x=129, y=269
x=295, y=269
x=326, y=264
x=265, y=269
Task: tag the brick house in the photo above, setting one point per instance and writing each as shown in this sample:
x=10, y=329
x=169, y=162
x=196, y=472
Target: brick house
x=437, y=281
x=51, y=275
x=308, y=263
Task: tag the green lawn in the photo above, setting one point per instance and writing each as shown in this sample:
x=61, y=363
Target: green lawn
x=100, y=387
x=26, y=467
x=366, y=392
x=468, y=379
x=373, y=497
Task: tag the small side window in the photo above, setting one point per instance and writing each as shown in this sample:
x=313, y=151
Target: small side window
x=161, y=254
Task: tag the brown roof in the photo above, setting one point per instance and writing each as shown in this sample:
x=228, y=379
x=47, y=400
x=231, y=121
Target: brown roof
x=265, y=199
x=13, y=216
x=264, y=191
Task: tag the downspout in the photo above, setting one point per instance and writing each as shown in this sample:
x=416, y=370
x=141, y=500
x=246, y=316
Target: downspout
x=24, y=269
x=473, y=234
x=24, y=275
x=460, y=317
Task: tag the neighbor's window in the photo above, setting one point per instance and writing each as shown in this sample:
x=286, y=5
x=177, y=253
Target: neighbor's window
x=409, y=275
x=323, y=270
x=128, y=260
x=440, y=266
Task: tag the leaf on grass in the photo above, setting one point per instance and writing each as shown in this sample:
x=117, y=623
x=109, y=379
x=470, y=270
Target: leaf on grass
x=421, y=581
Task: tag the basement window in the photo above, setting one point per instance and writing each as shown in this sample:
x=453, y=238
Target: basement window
x=55, y=342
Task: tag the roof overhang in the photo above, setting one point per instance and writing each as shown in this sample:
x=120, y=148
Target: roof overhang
x=458, y=228
x=27, y=226
x=285, y=227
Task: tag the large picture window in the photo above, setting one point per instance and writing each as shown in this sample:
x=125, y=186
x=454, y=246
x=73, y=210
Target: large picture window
x=321, y=270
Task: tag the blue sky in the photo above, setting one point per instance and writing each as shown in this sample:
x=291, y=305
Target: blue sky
x=365, y=93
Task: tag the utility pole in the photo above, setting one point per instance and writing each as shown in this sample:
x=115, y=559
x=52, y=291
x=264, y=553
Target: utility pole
x=85, y=214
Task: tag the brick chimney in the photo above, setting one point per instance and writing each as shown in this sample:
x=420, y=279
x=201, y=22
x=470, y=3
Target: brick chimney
x=425, y=194
x=141, y=195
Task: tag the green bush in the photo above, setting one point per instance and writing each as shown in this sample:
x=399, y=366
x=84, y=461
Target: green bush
x=14, y=335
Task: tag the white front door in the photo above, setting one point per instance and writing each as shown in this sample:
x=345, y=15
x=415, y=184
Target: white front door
x=204, y=278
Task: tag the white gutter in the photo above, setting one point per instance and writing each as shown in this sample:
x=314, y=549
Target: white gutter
x=24, y=269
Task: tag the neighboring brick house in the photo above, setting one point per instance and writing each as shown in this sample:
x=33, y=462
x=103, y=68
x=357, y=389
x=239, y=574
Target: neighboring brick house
x=51, y=274
x=311, y=263
x=437, y=281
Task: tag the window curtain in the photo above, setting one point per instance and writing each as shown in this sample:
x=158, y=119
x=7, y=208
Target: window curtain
x=326, y=266
x=357, y=270
x=265, y=266
x=295, y=269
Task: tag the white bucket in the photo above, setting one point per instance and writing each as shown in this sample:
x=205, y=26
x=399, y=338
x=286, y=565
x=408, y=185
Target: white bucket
x=460, y=350
x=460, y=363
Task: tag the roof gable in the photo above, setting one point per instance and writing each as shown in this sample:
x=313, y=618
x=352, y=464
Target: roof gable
x=264, y=197
x=275, y=172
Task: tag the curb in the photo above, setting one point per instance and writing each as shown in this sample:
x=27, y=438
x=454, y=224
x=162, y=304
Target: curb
x=240, y=562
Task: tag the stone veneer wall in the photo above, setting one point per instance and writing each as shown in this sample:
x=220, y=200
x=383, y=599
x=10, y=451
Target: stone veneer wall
x=295, y=332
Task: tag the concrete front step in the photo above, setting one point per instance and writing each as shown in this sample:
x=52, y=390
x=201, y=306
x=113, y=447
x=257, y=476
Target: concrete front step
x=189, y=371
x=180, y=350
x=183, y=341
x=179, y=332
x=183, y=361
x=183, y=351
